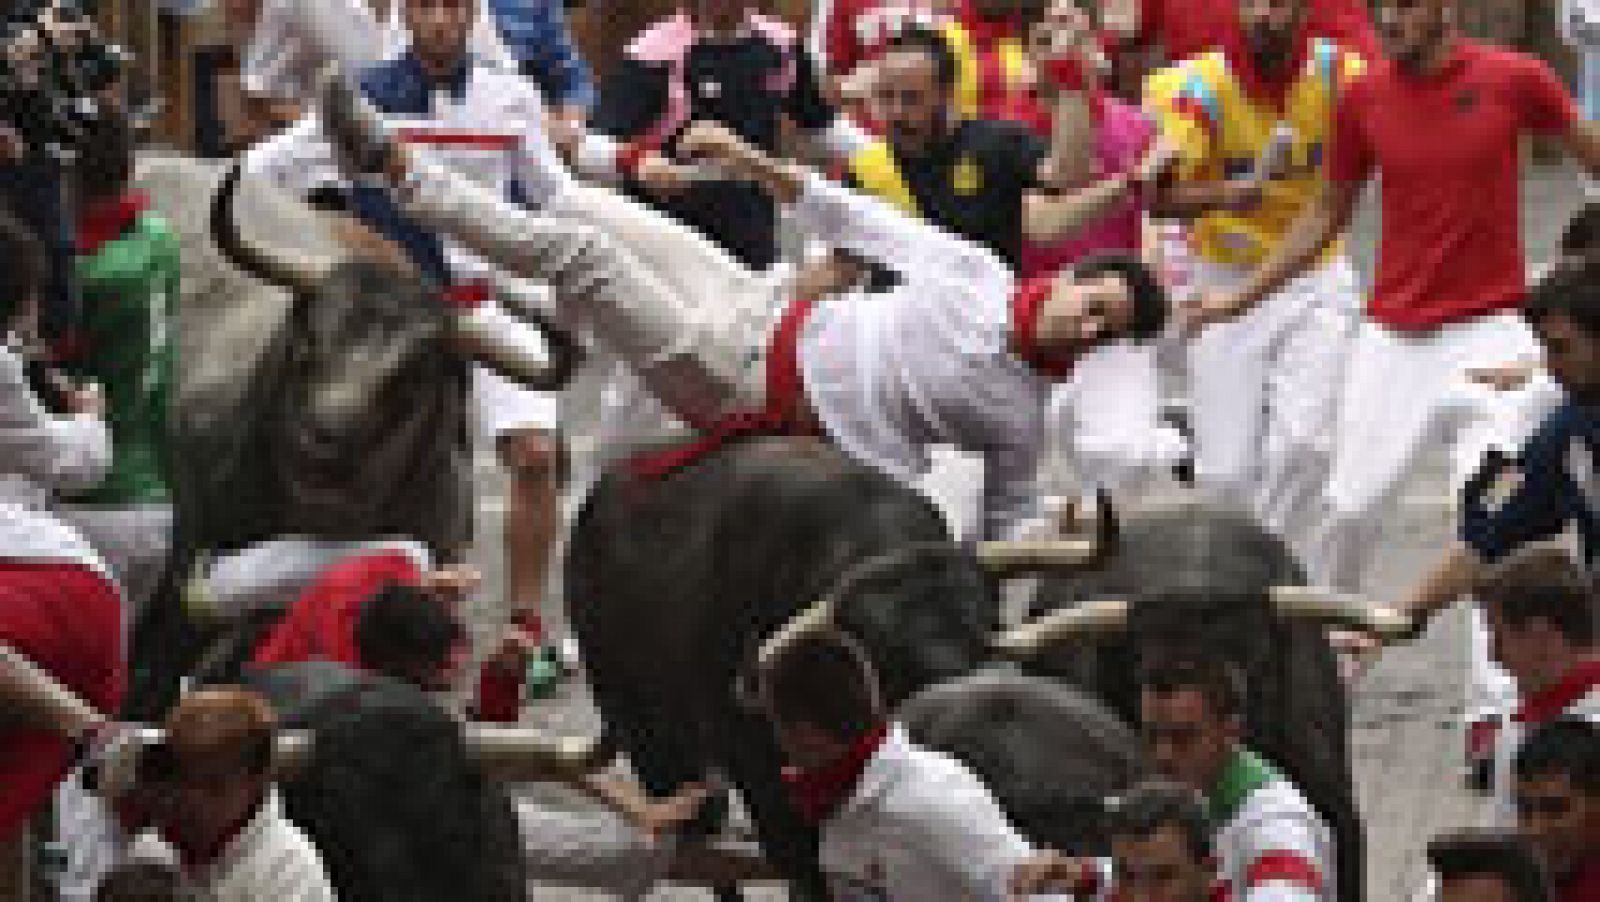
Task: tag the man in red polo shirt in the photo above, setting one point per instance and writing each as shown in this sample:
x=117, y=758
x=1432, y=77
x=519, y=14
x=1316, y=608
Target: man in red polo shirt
x=1441, y=121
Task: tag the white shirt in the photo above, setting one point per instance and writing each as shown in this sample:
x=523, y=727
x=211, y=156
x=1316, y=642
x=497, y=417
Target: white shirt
x=270, y=859
x=1502, y=809
x=1275, y=823
x=920, y=827
x=294, y=39
x=926, y=363
x=41, y=453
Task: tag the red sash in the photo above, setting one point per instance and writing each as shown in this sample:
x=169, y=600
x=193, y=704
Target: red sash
x=783, y=414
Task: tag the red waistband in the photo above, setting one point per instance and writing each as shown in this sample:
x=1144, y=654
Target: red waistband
x=784, y=412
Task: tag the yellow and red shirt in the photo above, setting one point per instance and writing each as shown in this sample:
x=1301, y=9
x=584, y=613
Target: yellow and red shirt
x=1221, y=115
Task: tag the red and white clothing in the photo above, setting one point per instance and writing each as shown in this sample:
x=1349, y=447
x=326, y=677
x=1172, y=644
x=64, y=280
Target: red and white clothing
x=847, y=33
x=61, y=610
x=41, y=453
x=1271, y=845
x=888, y=374
x=1451, y=275
x=1576, y=694
x=917, y=825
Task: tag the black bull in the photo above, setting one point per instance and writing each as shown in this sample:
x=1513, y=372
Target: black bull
x=672, y=585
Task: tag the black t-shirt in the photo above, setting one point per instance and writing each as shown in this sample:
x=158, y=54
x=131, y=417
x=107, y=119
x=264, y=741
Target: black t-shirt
x=733, y=83
x=972, y=183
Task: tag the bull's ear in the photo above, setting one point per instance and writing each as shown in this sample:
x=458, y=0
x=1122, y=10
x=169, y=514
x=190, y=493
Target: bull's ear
x=1341, y=609
x=1082, y=620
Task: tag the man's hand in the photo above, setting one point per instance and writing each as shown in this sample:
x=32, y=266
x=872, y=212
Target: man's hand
x=109, y=753
x=655, y=817
x=84, y=400
x=1050, y=871
x=1156, y=161
x=662, y=177
x=1207, y=307
x=451, y=584
x=716, y=144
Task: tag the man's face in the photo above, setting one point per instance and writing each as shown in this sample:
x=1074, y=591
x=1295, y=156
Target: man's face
x=1571, y=354
x=1159, y=868
x=439, y=28
x=1270, y=27
x=1186, y=741
x=1517, y=648
x=1412, y=29
x=1476, y=888
x=1561, y=821
x=909, y=100
x=1084, y=313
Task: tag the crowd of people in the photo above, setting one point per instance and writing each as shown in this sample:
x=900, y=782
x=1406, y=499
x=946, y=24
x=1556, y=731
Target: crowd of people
x=1030, y=231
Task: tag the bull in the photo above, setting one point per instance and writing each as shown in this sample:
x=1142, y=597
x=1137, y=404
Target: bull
x=676, y=586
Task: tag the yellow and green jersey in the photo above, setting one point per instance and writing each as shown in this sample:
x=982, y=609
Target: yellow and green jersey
x=1220, y=128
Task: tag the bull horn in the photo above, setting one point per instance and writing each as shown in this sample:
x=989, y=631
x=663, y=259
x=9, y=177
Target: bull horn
x=273, y=267
x=816, y=618
x=1343, y=609
x=508, y=754
x=1089, y=618
x=1035, y=556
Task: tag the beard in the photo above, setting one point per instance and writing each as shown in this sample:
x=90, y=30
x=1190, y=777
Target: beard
x=1268, y=50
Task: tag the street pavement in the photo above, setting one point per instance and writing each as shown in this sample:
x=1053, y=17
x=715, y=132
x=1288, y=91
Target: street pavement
x=1406, y=708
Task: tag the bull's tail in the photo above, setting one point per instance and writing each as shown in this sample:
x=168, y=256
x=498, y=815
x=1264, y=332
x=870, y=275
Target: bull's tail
x=271, y=267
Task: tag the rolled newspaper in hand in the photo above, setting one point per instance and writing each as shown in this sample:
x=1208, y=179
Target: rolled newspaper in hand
x=1275, y=157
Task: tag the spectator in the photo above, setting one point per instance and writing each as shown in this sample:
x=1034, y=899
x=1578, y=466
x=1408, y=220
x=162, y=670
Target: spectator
x=1487, y=867
x=1558, y=803
x=535, y=33
x=1269, y=842
x=207, y=791
x=128, y=274
x=1542, y=629
x=716, y=61
x=898, y=821
x=1161, y=845
x=141, y=881
x=1186, y=28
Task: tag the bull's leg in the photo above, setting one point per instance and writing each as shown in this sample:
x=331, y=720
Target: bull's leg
x=788, y=842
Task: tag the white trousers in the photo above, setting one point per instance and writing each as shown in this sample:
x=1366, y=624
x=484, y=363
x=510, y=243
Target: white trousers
x=133, y=541
x=1265, y=389
x=1106, y=421
x=592, y=849
x=688, y=320
x=1405, y=392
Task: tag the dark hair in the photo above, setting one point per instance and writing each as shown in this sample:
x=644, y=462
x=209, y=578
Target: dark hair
x=401, y=626
x=1218, y=681
x=105, y=158
x=1567, y=746
x=1582, y=235
x=1542, y=582
x=22, y=264
x=1149, y=298
x=1485, y=853
x=140, y=881
x=1570, y=289
x=1145, y=809
x=924, y=40
x=823, y=678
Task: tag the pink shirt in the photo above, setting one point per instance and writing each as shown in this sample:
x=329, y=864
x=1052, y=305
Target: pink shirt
x=1124, y=136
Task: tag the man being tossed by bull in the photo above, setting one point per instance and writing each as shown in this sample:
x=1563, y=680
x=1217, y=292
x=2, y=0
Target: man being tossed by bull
x=957, y=353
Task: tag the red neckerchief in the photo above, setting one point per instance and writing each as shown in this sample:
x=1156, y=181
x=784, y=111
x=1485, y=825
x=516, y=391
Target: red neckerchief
x=784, y=412
x=104, y=221
x=1548, y=703
x=818, y=793
x=1255, y=82
x=1026, y=304
x=1582, y=885
x=196, y=857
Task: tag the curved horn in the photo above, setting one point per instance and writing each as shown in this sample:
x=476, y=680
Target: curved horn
x=506, y=753
x=1340, y=608
x=274, y=268
x=813, y=619
x=1105, y=615
x=525, y=348
x=1033, y=556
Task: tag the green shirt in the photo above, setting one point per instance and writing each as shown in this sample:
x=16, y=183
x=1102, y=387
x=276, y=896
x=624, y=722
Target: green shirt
x=129, y=286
